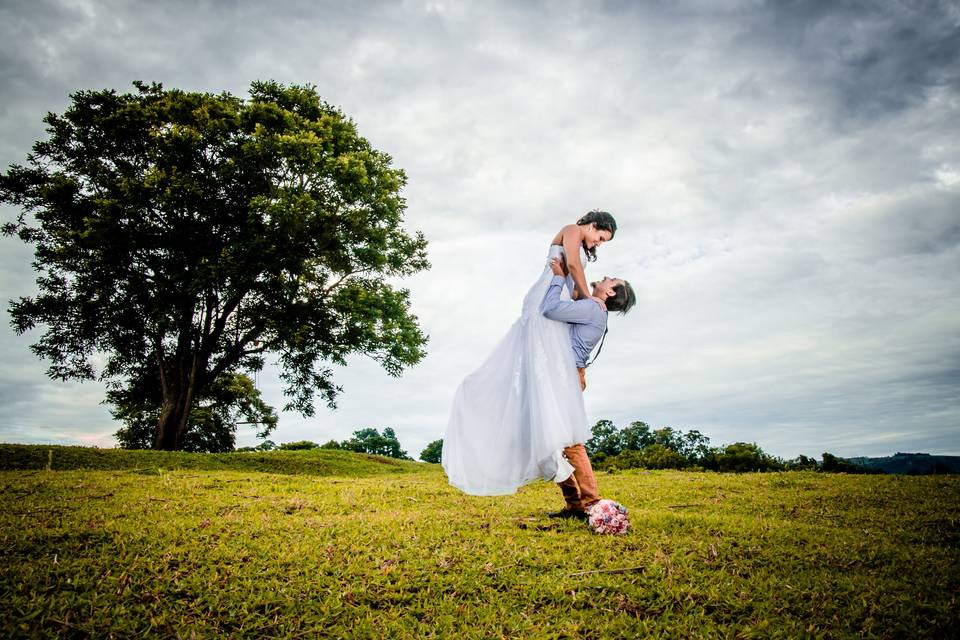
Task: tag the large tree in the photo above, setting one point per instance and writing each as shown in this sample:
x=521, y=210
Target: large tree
x=606, y=439
x=433, y=452
x=229, y=400
x=194, y=233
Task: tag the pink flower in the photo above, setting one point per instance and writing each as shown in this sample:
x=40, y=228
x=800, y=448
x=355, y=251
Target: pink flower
x=608, y=517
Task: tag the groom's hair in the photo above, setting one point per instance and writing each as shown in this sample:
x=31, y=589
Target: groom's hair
x=622, y=299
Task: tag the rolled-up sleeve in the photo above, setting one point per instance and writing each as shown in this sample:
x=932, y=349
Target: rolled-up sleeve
x=572, y=311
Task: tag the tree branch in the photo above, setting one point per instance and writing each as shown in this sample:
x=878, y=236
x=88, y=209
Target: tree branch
x=336, y=284
x=221, y=323
x=237, y=351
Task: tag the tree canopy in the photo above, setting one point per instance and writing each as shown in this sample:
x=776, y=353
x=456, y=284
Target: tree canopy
x=370, y=440
x=637, y=445
x=433, y=452
x=183, y=236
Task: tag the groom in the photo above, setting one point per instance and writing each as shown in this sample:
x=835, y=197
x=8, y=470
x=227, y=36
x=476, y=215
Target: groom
x=588, y=324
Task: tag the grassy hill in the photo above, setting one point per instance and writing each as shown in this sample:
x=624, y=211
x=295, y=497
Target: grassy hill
x=235, y=554
x=318, y=462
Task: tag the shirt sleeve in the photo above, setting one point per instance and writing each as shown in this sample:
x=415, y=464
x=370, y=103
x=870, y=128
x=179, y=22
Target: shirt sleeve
x=573, y=311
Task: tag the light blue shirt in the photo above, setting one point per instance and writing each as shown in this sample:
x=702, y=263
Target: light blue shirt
x=586, y=319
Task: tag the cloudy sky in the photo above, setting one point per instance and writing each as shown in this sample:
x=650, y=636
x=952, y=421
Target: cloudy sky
x=785, y=175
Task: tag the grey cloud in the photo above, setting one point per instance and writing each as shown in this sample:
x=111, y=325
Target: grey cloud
x=781, y=173
x=873, y=59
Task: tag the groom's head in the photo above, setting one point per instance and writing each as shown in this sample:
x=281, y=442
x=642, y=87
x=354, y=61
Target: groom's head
x=616, y=293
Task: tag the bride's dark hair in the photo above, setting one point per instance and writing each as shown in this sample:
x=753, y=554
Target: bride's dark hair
x=604, y=222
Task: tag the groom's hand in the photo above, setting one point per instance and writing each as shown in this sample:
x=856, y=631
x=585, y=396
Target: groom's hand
x=557, y=267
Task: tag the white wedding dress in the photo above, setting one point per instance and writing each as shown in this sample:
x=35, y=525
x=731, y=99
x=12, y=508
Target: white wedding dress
x=513, y=416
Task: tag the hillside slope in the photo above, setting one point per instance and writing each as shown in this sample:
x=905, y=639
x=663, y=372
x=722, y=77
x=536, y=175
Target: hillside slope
x=315, y=462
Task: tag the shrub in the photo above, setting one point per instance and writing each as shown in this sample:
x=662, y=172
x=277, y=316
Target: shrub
x=371, y=441
x=742, y=456
x=300, y=445
x=654, y=456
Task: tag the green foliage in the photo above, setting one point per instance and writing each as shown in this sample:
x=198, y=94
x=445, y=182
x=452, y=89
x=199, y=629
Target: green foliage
x=669, y=439
x=212, y=426
x=742, y=456
x=300, y=445
x=636, y=436
x=606, y=439
x=433, y=452
x=695, y=447
x=331, y=444
x=181, y=236
x=637, y=445
x=653, y=456
x=227, y=554
x=371, y=441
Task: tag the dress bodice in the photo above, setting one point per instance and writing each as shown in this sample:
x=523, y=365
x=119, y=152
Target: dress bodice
x=558, y=250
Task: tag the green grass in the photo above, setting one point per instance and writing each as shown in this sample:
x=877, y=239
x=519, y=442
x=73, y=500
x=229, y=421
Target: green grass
x=320, y=462
x=253, y=555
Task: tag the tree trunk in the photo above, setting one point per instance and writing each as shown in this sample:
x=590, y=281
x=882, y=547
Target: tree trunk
x=172, y=424
x=175, y=411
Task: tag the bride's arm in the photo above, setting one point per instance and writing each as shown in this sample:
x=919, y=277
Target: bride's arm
x=571, y=246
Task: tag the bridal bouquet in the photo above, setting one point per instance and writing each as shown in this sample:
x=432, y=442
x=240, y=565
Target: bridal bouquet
x=608, y=516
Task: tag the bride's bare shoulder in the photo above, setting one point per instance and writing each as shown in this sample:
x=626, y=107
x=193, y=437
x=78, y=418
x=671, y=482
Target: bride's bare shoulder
x=566, y=230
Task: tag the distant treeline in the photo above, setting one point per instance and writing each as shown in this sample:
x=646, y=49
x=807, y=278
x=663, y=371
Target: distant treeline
x=363, y=441
x=638, y=446
x=911, y=463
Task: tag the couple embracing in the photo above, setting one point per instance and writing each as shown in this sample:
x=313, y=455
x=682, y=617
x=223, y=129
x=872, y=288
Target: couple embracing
x=520, y=417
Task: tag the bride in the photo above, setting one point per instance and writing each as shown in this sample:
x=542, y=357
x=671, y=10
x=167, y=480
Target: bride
x=512, y=417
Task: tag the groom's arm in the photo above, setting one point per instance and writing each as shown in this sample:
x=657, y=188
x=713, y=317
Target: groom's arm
x=572, y=311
